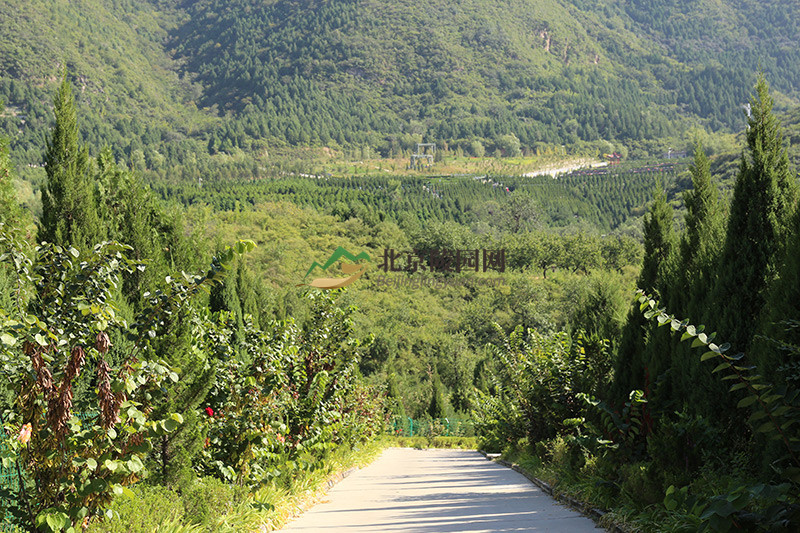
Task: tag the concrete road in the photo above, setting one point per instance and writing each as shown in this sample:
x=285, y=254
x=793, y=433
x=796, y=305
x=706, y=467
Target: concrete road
x=436, y=491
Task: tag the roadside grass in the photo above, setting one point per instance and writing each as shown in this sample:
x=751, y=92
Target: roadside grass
x=631, y=496
x=209, y=505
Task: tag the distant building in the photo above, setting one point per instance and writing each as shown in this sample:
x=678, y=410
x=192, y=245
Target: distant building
x=613, y=158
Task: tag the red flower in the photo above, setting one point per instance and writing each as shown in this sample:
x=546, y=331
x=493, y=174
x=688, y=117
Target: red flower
x=209, y=411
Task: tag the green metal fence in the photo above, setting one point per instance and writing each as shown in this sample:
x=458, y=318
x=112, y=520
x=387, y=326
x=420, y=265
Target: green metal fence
x=403, y=426
x=9, y=479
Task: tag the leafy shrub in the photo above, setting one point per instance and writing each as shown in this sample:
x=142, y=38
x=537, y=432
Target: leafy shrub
x=207, y=498
x=566, y=455
x=151, y=507
x=640, y=483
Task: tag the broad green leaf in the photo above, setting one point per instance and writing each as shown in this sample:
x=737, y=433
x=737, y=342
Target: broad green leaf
x=56, y=521
x=750, y=400
x=771, y=398
x=708, y=355
x=721, y=366
x=765, y=427
x=135, y=464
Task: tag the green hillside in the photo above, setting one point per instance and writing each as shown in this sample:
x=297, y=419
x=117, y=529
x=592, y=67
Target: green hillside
x=171, y=83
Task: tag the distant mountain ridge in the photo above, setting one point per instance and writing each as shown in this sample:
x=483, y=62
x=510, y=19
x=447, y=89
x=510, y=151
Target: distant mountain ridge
x=160, y=80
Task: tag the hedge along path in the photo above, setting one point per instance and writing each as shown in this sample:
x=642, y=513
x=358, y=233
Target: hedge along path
x=438, y=490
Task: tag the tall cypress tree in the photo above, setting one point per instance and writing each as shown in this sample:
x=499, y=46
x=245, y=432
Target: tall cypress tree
x=689, y=294
x=69, y=212
x=659, y=245
x=763, y=202
x=699, y=245
x=781, y=320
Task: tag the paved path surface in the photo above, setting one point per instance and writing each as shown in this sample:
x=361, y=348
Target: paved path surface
x=437, y=491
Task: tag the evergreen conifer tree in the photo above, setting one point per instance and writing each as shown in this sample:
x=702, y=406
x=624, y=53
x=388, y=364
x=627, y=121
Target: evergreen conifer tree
x=689, y=294
x=173, y=453
x=659, y=245
x=699, y=245
x=781, y=320
x=69, y=211
x=763, y=202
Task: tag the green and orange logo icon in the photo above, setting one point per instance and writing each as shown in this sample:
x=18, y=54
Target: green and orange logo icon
x=353, y=270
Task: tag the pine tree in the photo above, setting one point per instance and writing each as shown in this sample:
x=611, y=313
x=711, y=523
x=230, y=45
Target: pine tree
x=704, y=228
x=173, y=453
x=69, y=212
x=763, y=202
x=781, y=320
x=689, y=295
x=659, y=246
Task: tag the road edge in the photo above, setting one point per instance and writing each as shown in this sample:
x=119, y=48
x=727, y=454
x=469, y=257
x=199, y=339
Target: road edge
x=594, y=513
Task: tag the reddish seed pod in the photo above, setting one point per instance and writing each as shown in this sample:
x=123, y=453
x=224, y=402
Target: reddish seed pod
x=109, y=409
x=103, y=342
x=44, y=377
x=78, y=357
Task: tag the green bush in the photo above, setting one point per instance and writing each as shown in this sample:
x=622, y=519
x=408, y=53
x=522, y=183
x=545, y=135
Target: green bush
x=151, y=507
x=640, y=483
x=567, y=455
x=205, y=500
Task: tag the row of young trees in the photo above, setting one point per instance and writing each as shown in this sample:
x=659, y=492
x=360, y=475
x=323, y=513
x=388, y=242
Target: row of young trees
x=608, y=200
x=119, y=366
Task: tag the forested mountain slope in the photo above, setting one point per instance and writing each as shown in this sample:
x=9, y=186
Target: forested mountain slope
x=164, y=79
